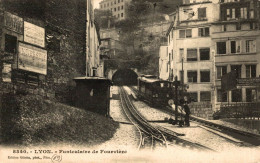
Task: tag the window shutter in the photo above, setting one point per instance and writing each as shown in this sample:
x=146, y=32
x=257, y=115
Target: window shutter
x=201, y=13
x=200, y=31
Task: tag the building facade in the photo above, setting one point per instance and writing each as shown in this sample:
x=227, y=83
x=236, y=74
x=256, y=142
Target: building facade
x=236, y=37
x=110, y=46
x=94, y=66
x=117, y=7
x=207, y=45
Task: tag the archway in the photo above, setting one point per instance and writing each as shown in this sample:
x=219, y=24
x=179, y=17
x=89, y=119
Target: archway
x=125, y=77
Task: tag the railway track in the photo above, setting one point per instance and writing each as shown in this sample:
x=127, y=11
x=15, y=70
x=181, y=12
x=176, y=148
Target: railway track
x=246, y=138
x=156, y=134
x=149, y=136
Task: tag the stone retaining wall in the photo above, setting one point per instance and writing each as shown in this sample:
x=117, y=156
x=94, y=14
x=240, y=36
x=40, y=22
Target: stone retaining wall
x=202, y=109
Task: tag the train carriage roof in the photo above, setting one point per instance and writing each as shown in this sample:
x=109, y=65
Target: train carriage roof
x=151, y=80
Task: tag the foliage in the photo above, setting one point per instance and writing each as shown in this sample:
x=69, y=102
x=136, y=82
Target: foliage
x=104, y=18
x=42, y=122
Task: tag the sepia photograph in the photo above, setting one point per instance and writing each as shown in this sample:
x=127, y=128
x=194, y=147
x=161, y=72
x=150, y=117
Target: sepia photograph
x=130, y=81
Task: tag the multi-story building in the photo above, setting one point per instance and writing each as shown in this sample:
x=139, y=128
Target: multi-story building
x=235, y=38
x=164, y=63
x=93, y=62
x=207, y=45
x=111, y=46
x=117, y=7
x=189, y=48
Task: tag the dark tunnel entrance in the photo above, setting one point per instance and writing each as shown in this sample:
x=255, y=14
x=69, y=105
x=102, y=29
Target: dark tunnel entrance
x=125, y=77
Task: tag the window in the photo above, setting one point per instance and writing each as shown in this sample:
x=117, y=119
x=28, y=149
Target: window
x=194, y=96
x=122, y=0
x=118, y=8
x=223, y=28
x=237, y=69
x=250, y=46
x=192, y=76
x=105, y=5
x=233, y=13
x=250, y=71
x=181, y=54
x=122, y=7
x=243, y=13
x=238, y=26
x=205, y=96
x=191, y=54
x=188, y=33
x=10, y=43
x=253, y=26
x=203, y=32
x=235, y=46
x=182, y=33
x=101, y=6
x=252, y=15
x=114, y=9
x=250, y=95
x=221, y=96
x=236, y=95
x=118, y=15
x=221, y=70
x=202, y=13
x=185, y=33
x=172, y=54
x=118, y=1
x=221, y=47
x=228, y=14
x=204, y=54
x=205, y=76
x=115, y=2
x=122, y=14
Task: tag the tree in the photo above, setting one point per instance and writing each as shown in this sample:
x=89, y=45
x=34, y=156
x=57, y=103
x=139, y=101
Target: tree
x=104, y=18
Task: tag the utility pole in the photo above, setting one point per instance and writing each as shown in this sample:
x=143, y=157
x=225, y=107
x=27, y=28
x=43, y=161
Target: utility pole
x=176, y=85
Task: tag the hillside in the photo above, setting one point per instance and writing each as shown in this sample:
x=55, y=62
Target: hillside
x=31, y=120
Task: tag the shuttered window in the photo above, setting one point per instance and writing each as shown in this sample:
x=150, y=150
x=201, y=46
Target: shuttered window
x=182, y=33
x=202, y=13
x=191, y=54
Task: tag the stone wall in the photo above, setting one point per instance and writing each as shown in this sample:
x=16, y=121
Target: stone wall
x=202, y=109
x=64, y=24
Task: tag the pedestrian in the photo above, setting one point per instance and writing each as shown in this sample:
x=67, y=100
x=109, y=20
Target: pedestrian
x=172, y=105
x=187, y=112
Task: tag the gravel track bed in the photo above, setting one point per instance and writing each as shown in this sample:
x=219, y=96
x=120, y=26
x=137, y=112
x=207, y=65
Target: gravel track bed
x=126, y=135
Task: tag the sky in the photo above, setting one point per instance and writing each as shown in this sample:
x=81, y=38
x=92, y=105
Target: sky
x=96, y=3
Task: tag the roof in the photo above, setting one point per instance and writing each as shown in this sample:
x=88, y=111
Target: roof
x=169, y=29
x=92, y=78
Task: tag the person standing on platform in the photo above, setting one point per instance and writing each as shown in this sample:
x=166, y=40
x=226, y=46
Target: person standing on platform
x=187, y=111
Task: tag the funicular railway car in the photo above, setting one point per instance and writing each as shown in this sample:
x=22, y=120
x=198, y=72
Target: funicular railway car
x=154, y=90
x=159, y=92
